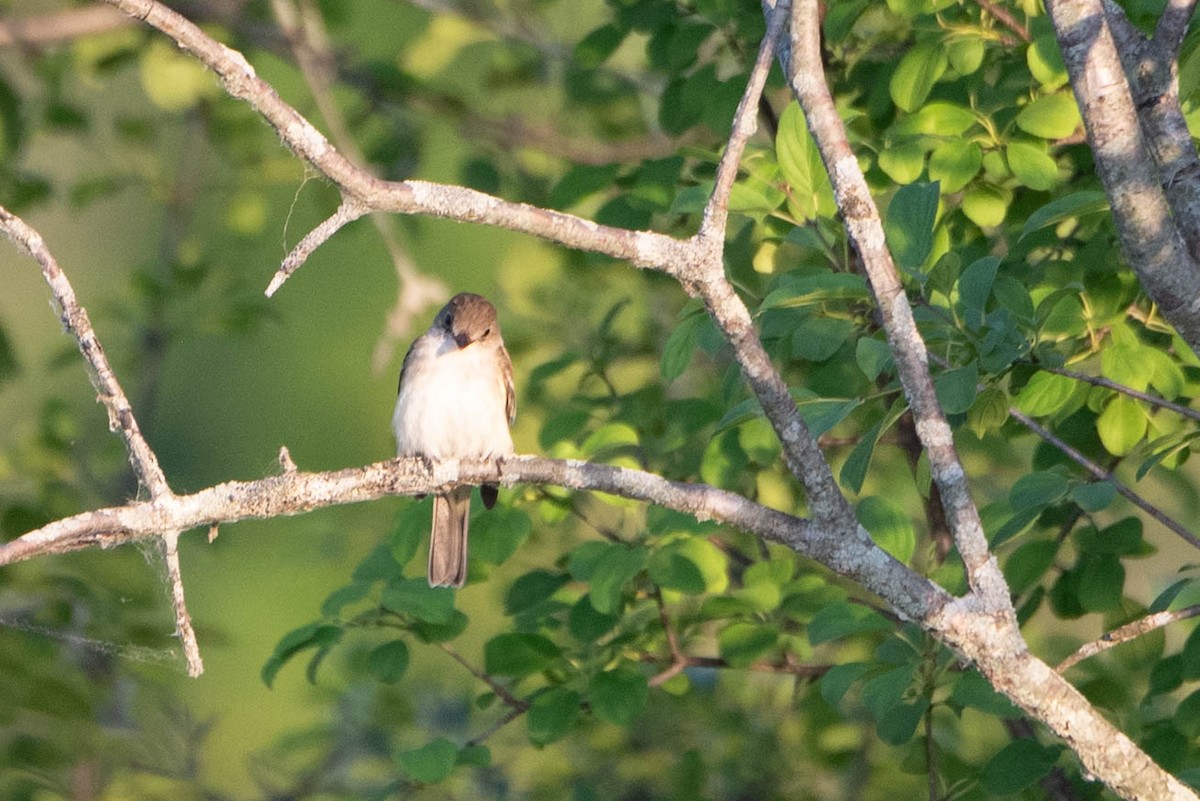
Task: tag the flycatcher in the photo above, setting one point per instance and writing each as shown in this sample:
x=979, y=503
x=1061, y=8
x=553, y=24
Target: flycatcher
x=456, y=401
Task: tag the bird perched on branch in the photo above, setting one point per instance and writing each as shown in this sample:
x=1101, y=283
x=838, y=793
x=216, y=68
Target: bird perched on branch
x=456, y=401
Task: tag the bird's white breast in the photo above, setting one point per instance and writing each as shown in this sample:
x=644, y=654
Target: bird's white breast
x=451, y=402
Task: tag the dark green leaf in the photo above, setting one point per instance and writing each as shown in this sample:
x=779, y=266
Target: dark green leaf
x=1018, y=765
x=742, y=644
x=974, y=289
x=518, y=654
x=342, y=597
x=1028, y=564
x=313, y=635
x=552, y=714
x=1101, y=582
x=843, y=619
x=671, y=570
x=817, y=337
x=430, y=763
x=919, y=69
x=837, y=680
x=1076, y=204
x=586, y=624
x=614, y=570
x=956, y=388
x=900, y=723
x=496, y=535
x=814, y=289
x=531, y=589
x=908, y=225
x=618, y=695
x=971, y=689
x=389, y=661
x=889, y=526
x=414, y=596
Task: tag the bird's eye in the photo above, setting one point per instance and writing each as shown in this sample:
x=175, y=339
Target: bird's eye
x=487, y=332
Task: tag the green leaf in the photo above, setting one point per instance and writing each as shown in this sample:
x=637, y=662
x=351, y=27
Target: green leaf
x=619, y=695
x=742, y=643
x=389, y=661
x=1187, y=716
x=496, y=535
x=8, y=358
x=818, y=338
x=873, y=357
x=1094, y=496
x=1051, y=116
x=837, y=680
x=1101, y=582
x=974, y=289
x=1032, y=165
x=938, y=118
x=613, y=571
x=909, y=224
x=1076, y=204
x=1038, y=490
x=800, y=163
x=1121, y=425
x=986, y=205
x=903, y=161
x=430, y=763
x=842, y=619
x=414, y=596
x=889, y=526
x=972, y=690
x=671, y=570
x=581, y=181
x=965, y=54
x=955, y=163
x=313, y=635
x=1027, y=565
x=475, y=756
x=899, y=725
x=989, y=411
x=552, y=714
x=518, y=654
x=919, y=69
x=814, y=289
x=1045, y=61
x=343, y=597
x=1044, y=394
x=854, y=469
x=586, y=624
x=956, y=388
x=1018, y=765
x=1128, y=365
x=531, y=589
x=441, y=632
x=679, y=347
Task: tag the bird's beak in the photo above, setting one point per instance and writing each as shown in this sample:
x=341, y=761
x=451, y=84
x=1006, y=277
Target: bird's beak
x=462, y=340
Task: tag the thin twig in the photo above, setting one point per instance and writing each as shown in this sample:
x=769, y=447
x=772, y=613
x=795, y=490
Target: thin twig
x=496, y=687
x=784, y=666
x=309, y=42
x=1100, y=381
x=183, y=620
x=349, y=211
x=512, y=714
x=1127, y=633
x=1005, y=17
x=75, y=320
x=1100, y=474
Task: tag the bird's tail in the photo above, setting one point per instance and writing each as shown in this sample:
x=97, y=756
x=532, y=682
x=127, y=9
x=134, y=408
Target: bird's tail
x=448, y=538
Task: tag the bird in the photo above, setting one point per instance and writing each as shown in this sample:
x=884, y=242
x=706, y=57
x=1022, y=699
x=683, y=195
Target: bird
x=456, y=400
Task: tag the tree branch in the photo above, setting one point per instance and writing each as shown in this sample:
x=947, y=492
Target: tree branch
x=1127, y=633
x=1173, y=24
x=1144, y=218
x=1100, y=474
x=807, y=78
x=1145, y=397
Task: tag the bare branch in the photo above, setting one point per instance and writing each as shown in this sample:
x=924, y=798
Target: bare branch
x=291, y=493
x=38, y=30
x=1145, y=397
x=496, y=687
x=1100, y=474
x=348, y=212
x=641, y=248
x=309, y=42
x=1127, y=633
x=863, y=224
x=183, y=619
x=786, y=666
x=1006, y=18
x=1173, y=24
x=76, y=322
